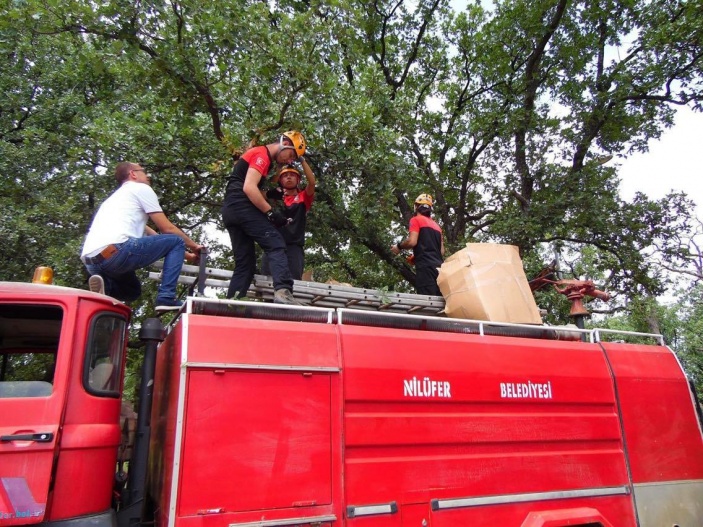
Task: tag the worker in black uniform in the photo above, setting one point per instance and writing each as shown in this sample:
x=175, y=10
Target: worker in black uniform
x=250, y=219
x=426, y=241
x=297, y=203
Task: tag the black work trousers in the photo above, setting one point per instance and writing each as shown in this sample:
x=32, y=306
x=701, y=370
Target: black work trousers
x=246, y=224
x=426, y=281
x=296, y=261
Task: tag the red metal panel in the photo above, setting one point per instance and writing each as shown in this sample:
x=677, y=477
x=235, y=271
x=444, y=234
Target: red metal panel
x=228, y=416
x=562, y=517
x=245, y=341
x=164, y=422
x=256, y=441
x=617, y=511
x=417, y=514
x=382, y=520
x=475, y=436
x=83, y=482
x=85, y=428
x=661, y=429
x=26, y=466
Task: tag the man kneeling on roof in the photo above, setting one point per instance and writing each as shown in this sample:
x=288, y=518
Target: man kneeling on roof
x=119, y=241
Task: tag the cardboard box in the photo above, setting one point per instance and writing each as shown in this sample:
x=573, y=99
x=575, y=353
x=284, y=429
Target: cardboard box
x=486, y=281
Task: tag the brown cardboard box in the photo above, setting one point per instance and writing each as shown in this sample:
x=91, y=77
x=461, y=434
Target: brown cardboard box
x=486, y=281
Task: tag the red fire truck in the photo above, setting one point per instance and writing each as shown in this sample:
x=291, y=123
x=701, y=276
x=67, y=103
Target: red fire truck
x=253, y=414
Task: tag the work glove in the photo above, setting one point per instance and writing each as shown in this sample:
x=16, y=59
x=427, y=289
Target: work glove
x=275, y=193
x=277, y=218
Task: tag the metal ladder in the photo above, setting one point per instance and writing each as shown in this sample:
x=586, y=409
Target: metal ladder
x=312, y=293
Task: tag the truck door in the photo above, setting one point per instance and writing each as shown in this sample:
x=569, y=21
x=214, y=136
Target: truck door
x=31, y=403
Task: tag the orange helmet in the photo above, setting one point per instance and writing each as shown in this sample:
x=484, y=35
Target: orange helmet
x=297, y=139
x=424, y=199
x=290, y=168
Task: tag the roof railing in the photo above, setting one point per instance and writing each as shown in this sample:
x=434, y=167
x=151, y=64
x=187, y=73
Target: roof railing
x=355, y=317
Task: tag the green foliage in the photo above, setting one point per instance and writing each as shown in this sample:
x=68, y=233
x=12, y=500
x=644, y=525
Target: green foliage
x=685, y=328
x=502, y=115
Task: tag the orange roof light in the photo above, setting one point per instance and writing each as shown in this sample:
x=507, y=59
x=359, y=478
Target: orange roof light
x=43, y=275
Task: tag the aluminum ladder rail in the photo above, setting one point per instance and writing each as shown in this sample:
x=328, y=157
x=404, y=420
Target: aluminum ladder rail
x=317, y=293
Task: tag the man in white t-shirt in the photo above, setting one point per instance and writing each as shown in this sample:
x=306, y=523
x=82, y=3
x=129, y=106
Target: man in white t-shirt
x=119, y=241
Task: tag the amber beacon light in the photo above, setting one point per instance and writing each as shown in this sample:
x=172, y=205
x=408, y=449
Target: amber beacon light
x=43, y=275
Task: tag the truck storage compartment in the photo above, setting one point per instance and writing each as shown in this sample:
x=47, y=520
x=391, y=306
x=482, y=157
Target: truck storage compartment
x=245, y=421
x=255, y=440
x=469, y=428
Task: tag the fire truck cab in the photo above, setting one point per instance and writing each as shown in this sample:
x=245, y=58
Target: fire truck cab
x=62, y=357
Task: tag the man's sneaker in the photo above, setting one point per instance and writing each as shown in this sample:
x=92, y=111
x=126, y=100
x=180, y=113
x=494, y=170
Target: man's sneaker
x=163, y=304
x=284, y=296
x=96, y=284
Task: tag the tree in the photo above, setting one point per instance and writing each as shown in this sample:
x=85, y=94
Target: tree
x=688, y=333
x=504, y=115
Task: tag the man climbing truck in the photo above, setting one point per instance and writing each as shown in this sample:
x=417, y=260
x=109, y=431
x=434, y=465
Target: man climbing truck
x=268, y=415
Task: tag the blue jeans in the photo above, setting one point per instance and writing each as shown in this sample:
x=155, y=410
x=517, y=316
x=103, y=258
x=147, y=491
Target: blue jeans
x=246, y=224
x=119, y=274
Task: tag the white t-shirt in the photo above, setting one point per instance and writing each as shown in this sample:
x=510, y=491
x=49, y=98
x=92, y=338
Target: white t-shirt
x=121, y=216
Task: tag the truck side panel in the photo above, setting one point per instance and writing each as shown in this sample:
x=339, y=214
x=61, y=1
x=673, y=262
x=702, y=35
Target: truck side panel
x=594, y=512
x=273, y=422
x=164, y=419
x=662, y=434
x=259, y=423
x=220, y=340
x=447, y=418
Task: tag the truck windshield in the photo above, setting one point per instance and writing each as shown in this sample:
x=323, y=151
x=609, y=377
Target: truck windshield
x=29, y=341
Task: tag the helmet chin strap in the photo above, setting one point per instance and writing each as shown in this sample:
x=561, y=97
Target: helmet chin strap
x=283, y=146
x=295, y=188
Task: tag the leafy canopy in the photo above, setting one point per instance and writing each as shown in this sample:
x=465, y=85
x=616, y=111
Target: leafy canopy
x=505, y=115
